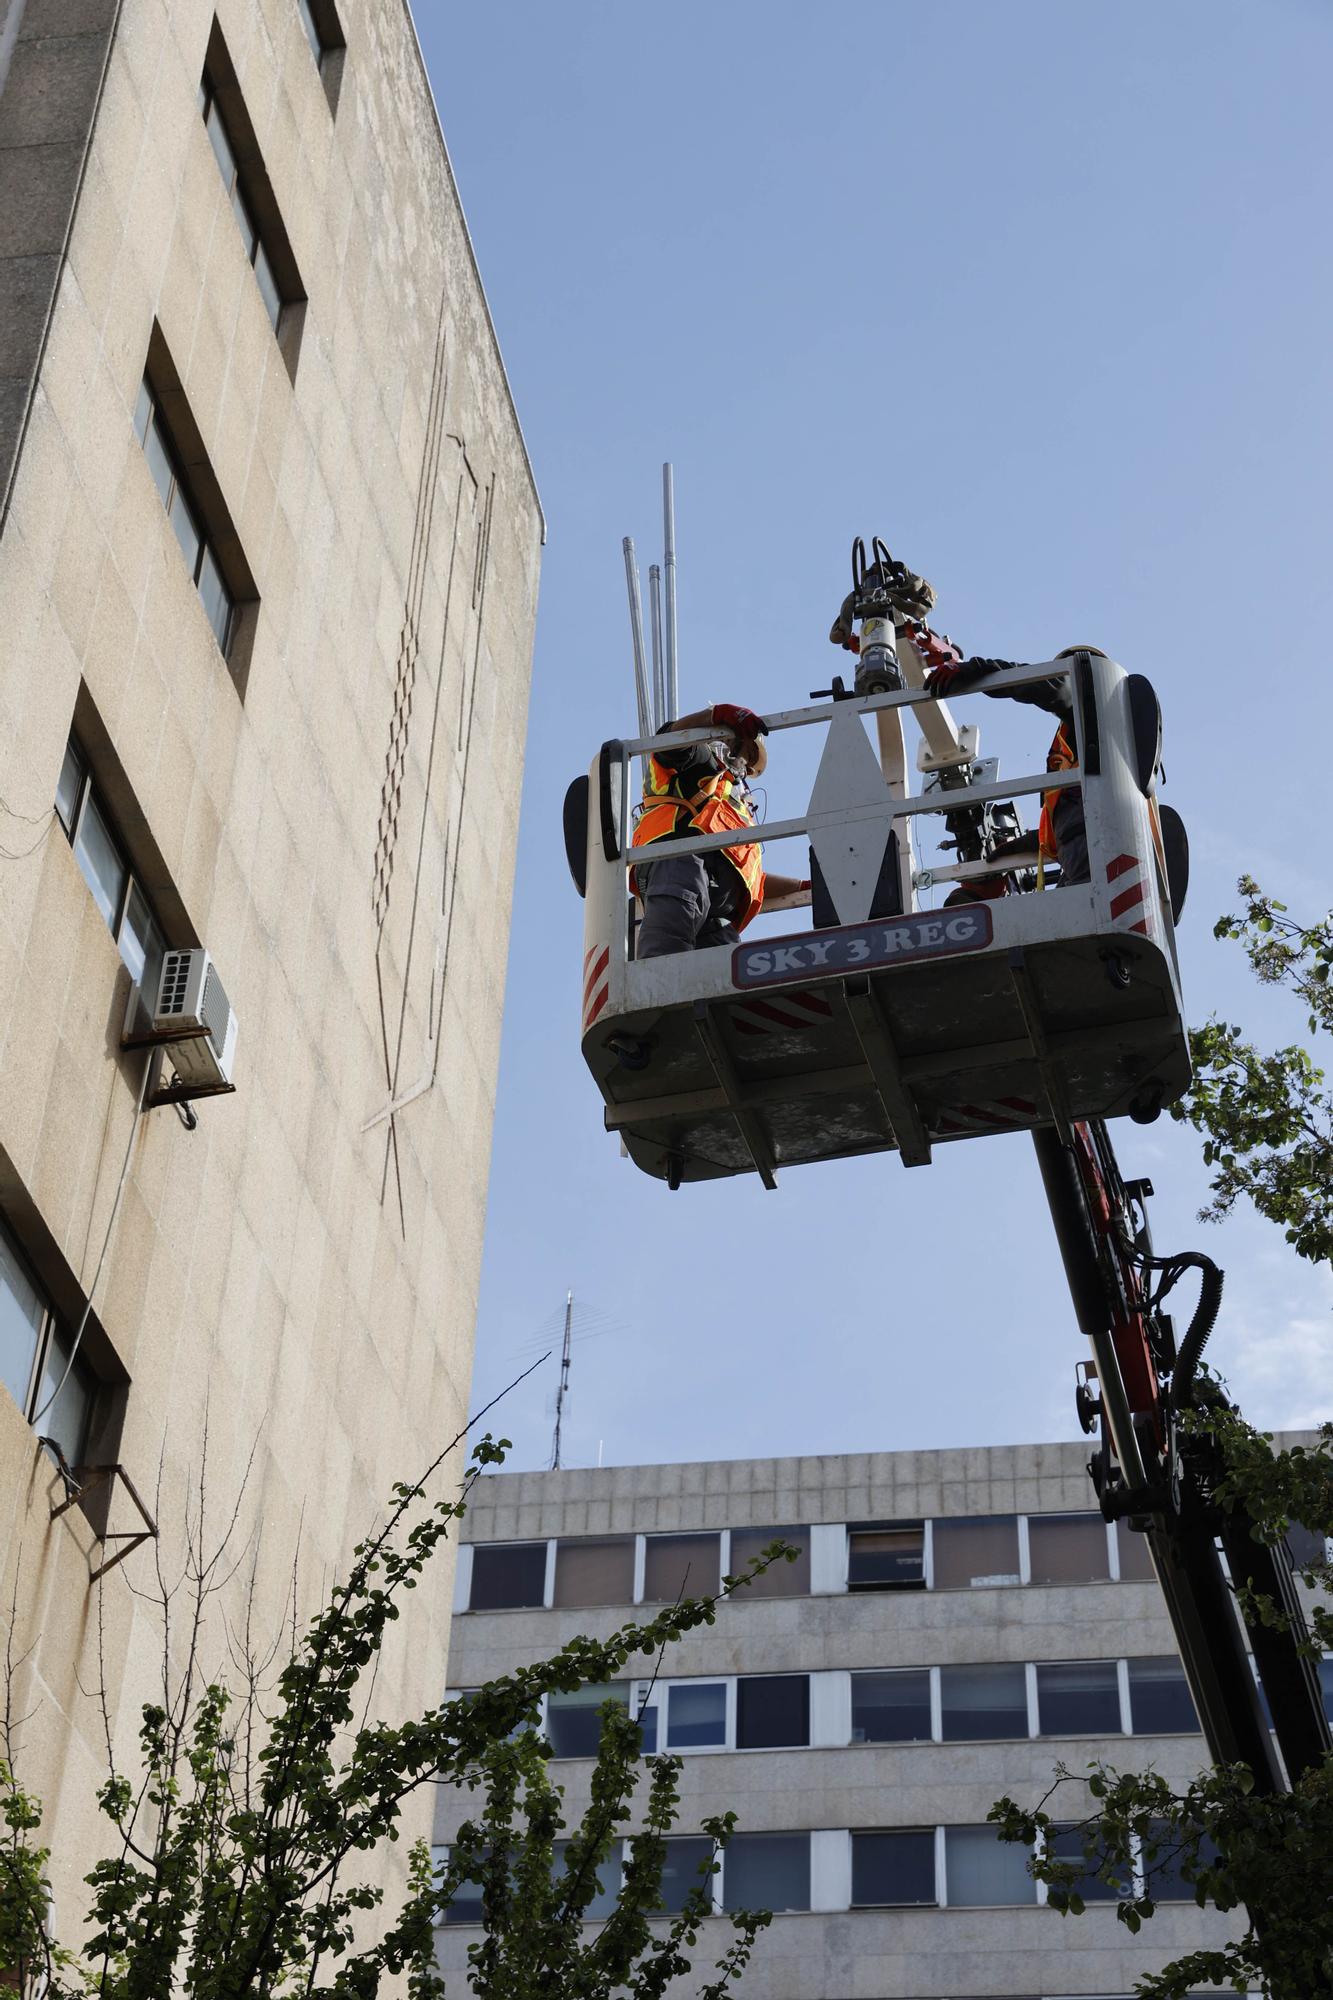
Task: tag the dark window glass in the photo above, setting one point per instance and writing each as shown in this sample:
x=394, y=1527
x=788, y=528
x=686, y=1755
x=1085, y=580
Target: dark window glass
x=595, y=1572
x=268, y=285
x=772, y=1711
x=508, y=1576
x=885, y=1557
x=981, y=1870
x=464, y=1907
x=574, y=1722
x=780, y=1579
x=143, y=413
x=1306, y=1547
x=972, y=1552
x=99, y=859
x=1078, y=1698
x=65, y=1416
x=767, y=1871
x=225, y=155
x=1066, y=1844
x=215, y=596
x=1068, y=1548
x=217, y=133
x=68, y=786
x=981, y=1702
x=1160, y=1703
x=1135, y=1559
x=680, y=1566
x=22, y=1316
x=1161, y=1864
x=311, y=31
x=647, y=1721
x=681, y=1870
x=182, y=520
x=608, y=1881
x=159, y=461
x=141, y=943
x=1326, y=1683
x=200, y=559
x=893, y=1867
x=696, y=1715
x=892, y=1707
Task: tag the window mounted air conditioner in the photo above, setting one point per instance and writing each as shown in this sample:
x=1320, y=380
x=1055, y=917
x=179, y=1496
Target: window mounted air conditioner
x=190, y=995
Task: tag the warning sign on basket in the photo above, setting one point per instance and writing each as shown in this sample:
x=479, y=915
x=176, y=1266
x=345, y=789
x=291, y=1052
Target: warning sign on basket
x=892, y=941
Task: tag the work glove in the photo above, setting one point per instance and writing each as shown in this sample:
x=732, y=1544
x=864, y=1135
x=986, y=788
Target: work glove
x=953, y=675
x=744, y=721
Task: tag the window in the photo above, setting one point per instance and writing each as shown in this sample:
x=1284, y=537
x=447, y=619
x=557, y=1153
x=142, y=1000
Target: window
x=574, y=1722
x=508, y=1576
x=896, y=1867
x=976, y=1551
x=1160, y=1703
x=1078, y=1698
x=601, y=1572
x=325, y=36
x=1068, y=1548
x=1160, y=1861
x=891, y=1708
x=607, y=1881
x=780, y=1579
x=1306, y=1548
x=1066, y=1844
x=200, y=556
x=766, y=1871
x=983, y=1702
x=117, y=894
x=645, y=1714
x=772, y=1712
x=682, y=1870
x=35, y=1354
x=886, y=1556
x=1134, y=1556
x=464, y=1906
x=681, y=1566
x=1326, y=1683
x=225, y=154
x=981, y=1870
x=696, y=1715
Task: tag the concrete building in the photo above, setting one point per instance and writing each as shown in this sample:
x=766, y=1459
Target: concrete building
x=269, y=552
x=958, y=1623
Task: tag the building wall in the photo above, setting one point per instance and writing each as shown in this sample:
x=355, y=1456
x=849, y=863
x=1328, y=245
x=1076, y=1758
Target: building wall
x=837, y=1953
x=287, y=1306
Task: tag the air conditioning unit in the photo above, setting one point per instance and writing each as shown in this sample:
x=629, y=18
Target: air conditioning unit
x=190, y=995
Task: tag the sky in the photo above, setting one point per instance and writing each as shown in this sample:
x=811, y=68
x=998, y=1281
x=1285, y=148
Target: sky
x=1039, y=294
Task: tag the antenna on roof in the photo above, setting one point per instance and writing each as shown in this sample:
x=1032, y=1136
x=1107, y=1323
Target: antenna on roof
x=656, y=685
x=566, y=1356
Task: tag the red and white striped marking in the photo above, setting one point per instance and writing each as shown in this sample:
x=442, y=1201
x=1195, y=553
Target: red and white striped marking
x=778, y=1011
x=1003, y=1114
x=596, y=985
x=1129, y=908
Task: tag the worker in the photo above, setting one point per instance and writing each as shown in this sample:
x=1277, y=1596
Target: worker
x=1062, y=834
x=696, y=900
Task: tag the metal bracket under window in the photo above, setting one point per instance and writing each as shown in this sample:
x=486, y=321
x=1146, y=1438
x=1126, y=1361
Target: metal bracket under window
x=82, y=1480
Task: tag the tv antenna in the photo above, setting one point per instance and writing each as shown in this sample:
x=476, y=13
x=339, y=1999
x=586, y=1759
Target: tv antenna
x=566, y=1356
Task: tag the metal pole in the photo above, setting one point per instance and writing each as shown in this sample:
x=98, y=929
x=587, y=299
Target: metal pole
x=669, y=560
x=646, y=727
x=659, y=666
x=566, y=1356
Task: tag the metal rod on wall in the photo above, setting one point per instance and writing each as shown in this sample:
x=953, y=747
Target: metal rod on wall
x=669, y=560
x=659, y=665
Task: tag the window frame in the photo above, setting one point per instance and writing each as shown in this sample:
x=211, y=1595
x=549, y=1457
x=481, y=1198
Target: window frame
x=51, y=1324
x=86, y=790
x=238, y=196
x=327, y=43
x=875, y=1586
x=151, y=419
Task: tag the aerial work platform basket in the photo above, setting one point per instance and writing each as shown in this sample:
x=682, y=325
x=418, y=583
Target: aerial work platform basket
x=890, y=1025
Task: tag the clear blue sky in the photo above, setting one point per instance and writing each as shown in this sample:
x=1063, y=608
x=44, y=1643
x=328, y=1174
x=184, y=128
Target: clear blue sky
x=1040, y=294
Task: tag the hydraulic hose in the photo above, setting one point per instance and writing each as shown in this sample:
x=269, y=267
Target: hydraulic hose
x=1190, y=1351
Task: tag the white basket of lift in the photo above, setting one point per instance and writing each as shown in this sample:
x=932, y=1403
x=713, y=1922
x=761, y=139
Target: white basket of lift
x=190, y=995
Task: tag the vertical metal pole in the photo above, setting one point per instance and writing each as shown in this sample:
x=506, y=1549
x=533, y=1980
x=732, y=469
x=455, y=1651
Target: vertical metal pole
x=636, y=635
x=660, y=712
x=669, y=562
x=566, y=1356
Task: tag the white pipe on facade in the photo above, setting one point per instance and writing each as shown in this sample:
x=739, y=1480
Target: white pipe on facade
x=647, y=726
x=669, y=561
x=659, y=664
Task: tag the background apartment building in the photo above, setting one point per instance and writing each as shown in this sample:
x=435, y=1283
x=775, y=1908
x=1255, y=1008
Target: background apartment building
x=268, y=570
x=958, y=1623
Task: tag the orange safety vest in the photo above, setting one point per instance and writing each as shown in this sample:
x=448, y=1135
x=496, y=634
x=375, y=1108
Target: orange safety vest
x=718, y=806
x=1060, y=757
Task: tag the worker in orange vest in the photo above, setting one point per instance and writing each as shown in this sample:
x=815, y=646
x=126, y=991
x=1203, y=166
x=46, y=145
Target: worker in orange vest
x=693, y=901
x=1062, y=834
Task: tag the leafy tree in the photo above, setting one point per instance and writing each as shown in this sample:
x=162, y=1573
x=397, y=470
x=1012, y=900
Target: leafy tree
x=1267, y=1124
x=1267, y=1119
x=234, y=1868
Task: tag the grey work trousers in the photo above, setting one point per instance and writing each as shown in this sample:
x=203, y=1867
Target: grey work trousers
x=688, y=904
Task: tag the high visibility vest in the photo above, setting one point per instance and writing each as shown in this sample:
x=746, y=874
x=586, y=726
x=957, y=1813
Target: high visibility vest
x=717, y=805
x=1060, y=757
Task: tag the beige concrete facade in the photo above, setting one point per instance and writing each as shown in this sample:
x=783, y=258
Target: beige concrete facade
x=835, y=1787
x=330, y=808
